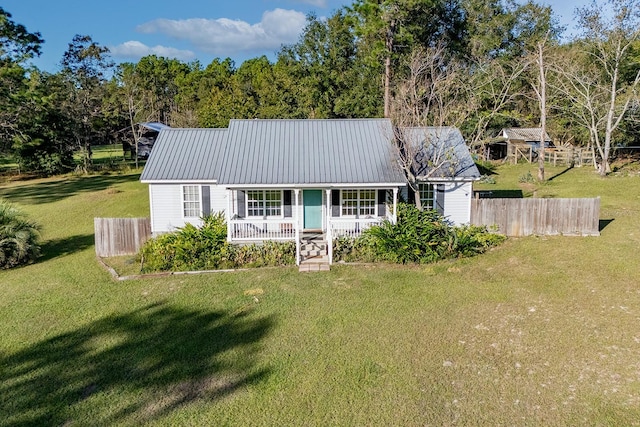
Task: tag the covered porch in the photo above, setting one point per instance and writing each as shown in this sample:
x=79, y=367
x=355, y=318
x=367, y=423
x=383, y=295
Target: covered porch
x=287, y=214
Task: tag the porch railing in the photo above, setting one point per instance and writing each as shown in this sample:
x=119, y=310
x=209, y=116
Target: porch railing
x=351, y=227
x=262, y=229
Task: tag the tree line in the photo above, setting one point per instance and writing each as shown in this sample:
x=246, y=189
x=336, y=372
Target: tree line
x=480, y=65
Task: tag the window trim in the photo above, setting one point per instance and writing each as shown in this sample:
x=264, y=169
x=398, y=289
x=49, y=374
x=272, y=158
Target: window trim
x=433, y=188
x=264, y=204
x=358, y=201
x=184, y=201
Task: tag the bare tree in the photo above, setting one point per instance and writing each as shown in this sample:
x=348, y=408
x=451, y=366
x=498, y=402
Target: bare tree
x=433, y=95
x=594, y=82
x=539, y=85
x=493, y=90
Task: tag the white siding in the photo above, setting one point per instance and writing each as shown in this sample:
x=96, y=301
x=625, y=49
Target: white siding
x=166, y=206
x=218, y=198
x=457, y=202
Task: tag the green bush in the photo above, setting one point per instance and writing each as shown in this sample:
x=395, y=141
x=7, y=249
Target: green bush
x=417, y=237
x=206, y=248
x=18, y=237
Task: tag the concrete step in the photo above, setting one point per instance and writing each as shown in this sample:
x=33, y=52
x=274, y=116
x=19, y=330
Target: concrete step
x=320, y=263
x=307, y=253
x=320, y=259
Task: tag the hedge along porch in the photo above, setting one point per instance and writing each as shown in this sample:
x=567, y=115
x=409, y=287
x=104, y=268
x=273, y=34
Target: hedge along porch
x=286, y=214
x=276, y=179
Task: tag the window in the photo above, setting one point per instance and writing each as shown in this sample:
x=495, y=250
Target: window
x=261, y=203
x=191, y=201
x=358, y=202
x=427, y=193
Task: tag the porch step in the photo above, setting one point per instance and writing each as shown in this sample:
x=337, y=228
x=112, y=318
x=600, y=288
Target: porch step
x=313, y=248
x=314, y=264
x=313, y=253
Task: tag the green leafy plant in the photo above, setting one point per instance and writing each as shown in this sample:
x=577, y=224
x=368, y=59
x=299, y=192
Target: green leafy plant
x=527, y=178
x=417, y=237
x=206, y=248
x=19, y=237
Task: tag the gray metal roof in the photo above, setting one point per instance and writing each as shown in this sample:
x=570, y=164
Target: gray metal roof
x=309, y=152
x=157, y=126
x=186, y=155
x=291, y=152
x=440, y=152
x=525, y=134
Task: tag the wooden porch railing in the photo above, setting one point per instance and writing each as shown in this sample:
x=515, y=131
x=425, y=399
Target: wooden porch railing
x=262, y=229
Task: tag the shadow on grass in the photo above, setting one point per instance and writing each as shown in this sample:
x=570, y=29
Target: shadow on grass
x=486, y=169
x=603, y=223
x=560, y=173
x=61, y=247
x=53, y=191
x=141, y=365
x=503, y=194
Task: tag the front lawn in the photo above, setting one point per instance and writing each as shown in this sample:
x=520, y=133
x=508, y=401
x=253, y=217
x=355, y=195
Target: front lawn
x=539, y=331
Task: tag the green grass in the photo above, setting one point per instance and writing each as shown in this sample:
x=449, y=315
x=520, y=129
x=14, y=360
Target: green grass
x=540, y=331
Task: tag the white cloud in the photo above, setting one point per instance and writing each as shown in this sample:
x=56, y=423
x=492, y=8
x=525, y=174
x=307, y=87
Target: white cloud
x=226, y=36
x=317, y=3
x=136, y=50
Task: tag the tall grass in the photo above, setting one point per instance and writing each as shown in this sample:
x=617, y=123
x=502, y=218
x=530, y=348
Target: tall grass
x=538, y=331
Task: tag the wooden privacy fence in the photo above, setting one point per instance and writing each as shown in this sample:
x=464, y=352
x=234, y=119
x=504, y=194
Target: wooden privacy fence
x=120, y=236
x=524, y=217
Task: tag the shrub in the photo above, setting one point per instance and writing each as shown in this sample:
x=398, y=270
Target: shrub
x=206, y=248
x=18, y=237
x=417, y=237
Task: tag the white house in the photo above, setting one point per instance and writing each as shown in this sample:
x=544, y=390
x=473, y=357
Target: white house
x=278, y=179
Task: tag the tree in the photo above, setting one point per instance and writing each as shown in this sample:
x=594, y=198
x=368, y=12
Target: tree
x=390, y=29
x=17, y=45
x=85, y=66
x=18, y=237
x=594, y=72
x=541, y=92
x=434, y=94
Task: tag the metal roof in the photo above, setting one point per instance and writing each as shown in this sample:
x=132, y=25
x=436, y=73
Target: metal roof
x=292, y=152
x=186, y=155
x=157, y=126
x=440, y=152
x=309, y=152
x=525, y=134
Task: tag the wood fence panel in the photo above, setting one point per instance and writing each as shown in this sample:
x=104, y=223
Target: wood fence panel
x=120, y=236
x=525, y=217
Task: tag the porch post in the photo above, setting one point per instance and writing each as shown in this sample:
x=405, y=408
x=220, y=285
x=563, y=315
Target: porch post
x=229, y=205
x=297, y=223
x=395, y=205
x=329, y=234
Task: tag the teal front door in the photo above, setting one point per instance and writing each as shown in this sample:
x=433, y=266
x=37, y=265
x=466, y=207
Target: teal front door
x=312, y=200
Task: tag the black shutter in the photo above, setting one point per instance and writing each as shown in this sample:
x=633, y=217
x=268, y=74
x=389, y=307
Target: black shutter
x=411, y=195
x=335, y=203
x=439, y=196
x=382, y=198
x=286, y=202
x=240, y=199
x=206, y=200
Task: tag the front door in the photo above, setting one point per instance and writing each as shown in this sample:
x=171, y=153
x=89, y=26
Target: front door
x=312, y=200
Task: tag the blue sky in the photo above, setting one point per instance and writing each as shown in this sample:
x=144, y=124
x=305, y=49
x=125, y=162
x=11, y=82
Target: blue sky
x=186, y=30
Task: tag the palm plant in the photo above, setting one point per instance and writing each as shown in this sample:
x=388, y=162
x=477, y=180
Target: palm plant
x=18, y=237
